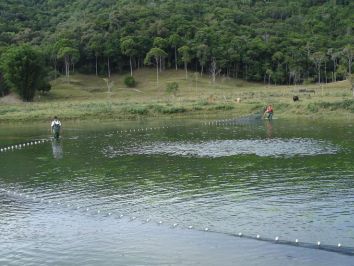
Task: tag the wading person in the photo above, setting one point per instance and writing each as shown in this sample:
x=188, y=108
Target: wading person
x=268, y=112
x=56, y=126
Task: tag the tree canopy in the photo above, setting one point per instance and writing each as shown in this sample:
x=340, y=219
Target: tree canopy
x=23, y=71
x=277, y=41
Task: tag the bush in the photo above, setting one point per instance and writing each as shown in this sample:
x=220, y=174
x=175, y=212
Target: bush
x=169, y=109
x=23, y=70
x=222, y=107
x=137, y=110
x=44, y=88
x=130, y=82
x=172, y=87
x=312, y=107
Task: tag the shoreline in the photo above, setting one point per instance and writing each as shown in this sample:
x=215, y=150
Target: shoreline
x=85, y=98
x=194, y=115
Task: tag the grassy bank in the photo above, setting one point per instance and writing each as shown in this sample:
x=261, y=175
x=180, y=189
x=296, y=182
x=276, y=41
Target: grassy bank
x=87, y=97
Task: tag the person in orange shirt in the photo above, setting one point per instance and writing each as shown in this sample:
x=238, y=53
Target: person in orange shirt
x=269, y=112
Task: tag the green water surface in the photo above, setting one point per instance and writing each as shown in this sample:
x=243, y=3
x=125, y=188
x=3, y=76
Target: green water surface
x=291, y=179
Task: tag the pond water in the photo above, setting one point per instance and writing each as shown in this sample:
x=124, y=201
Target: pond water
x=177, y=193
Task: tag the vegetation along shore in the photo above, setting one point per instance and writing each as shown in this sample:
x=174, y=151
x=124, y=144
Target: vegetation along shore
x=128, y=59
x=87, y=97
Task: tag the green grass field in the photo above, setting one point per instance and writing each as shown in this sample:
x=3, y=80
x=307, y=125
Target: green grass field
x=87, y=97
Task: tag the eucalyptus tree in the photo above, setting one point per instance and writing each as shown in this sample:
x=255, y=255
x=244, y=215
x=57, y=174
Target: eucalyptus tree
x=202, y=55
x=317, y=58
x=348, y=53
x=95, y=45
x=110, y=48
x=156, y=54
x=67, y=52
x=334, y=55
x=143, y=45
x=129, y=48
x=51, y=53
x=161, y=43
x=175, y=41
x=185, y=51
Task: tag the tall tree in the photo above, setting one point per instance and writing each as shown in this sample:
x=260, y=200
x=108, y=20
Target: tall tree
x=109, y=50
x=202, y=55
x=317, y=58
x=66, y=52
x=348, y=52
x=23, y=69
x=185, y=51
x=162, y=44
x=128, y=47
x=334, y=55
x=175, y=41
x=157, y=54
x=95, y=45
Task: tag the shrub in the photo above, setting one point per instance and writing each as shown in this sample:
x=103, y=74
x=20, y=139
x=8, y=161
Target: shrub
x=312, y=107
x=44, y=87
x=172, y=87
x=222, y=107
x=130, y=82
x=138, y=110
x=23, y=70
x=174, y=110
x=169, y=110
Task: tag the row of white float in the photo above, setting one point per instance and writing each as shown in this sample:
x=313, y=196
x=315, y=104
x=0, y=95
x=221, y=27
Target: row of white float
x=31, y=143
x=82, y=208
x=337, y=248
x=219, y=122
x=141, y=129
x=210, y=123
x=333, y=248
x=23, y=145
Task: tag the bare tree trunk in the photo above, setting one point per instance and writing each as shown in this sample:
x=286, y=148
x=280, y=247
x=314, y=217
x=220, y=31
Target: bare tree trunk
x=176, y=58
x=108, y=67
x=131, y=67
x=350, y=62
x=185, y=67
x=334, y=70
x=67, y=68
x=157, y=72
x=96, y=66
x=202, y=70
x=325, y=67
x=55, y=69
x=213, y=70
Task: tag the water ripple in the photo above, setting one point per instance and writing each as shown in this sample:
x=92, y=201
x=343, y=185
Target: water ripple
x=221, y=148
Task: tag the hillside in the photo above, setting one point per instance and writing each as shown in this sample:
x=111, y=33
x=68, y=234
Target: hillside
x=280, y=42
x=87, y=97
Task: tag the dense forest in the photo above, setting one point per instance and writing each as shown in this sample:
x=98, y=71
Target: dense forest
x=271, y=41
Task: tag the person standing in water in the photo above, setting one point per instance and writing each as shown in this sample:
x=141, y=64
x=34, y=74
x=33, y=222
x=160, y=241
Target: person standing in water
x=268, y=112
x=55, y=127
